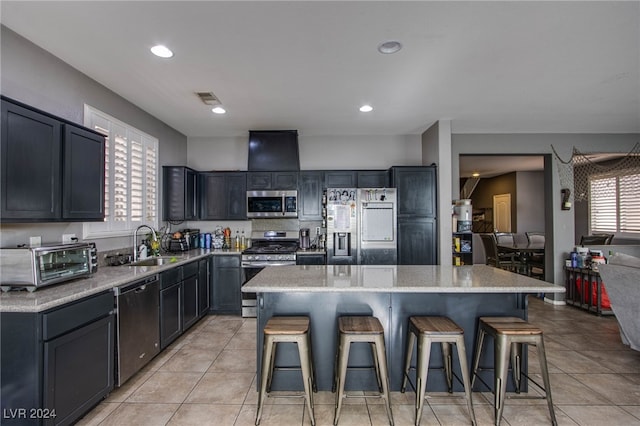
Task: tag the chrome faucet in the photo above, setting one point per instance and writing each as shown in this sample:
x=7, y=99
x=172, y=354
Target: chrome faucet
x=135, y=239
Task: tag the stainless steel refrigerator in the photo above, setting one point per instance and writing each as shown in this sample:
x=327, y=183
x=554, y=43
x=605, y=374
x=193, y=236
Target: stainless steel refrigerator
x=342, y=226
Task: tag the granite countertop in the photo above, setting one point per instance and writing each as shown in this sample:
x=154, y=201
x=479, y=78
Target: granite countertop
x=395, y=279
x=106, y=278
x=310, y=251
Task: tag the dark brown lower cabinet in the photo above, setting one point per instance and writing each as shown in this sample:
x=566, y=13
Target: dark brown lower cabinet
x=58, y=364
x=180, y=294
x=190, y=303
x=78, y=371
x=311, y=259
x=204, y=289
x=226, y=296
x=170, y=313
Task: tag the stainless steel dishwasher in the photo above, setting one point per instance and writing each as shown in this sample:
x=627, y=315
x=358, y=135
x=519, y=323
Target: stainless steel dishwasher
x=138, y=319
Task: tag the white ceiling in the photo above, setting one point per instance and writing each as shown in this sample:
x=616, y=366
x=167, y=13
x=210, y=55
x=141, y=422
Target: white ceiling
x=494, y=165
x=308, y=65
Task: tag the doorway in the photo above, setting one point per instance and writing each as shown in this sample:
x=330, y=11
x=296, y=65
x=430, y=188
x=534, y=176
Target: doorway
x=502, y=213
x=521, y=176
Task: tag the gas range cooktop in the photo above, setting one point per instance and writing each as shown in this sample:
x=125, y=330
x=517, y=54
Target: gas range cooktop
x=271, y=246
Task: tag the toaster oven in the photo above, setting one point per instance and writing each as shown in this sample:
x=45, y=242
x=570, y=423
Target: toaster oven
x=35, y=267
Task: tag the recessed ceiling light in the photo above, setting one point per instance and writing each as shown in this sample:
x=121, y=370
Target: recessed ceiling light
x=389, y=47
x=219, y=109
x=366, y=108
x=161, y=51
x=475, y=174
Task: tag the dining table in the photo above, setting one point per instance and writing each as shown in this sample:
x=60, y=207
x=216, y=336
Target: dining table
x=525, y=253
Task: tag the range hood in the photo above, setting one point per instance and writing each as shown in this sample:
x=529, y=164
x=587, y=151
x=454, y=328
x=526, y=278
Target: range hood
x=273, y=150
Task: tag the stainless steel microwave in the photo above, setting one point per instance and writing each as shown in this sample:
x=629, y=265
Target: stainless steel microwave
x=34, y=267
x=273, y=204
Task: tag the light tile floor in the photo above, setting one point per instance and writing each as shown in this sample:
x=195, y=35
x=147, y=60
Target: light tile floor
x=207, y=378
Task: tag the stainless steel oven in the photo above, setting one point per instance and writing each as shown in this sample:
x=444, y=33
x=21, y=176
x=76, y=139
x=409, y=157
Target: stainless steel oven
x=268, y=249
x=272, y=204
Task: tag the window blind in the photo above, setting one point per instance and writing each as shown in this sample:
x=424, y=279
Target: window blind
x=629, y=203
x=131, y=168
x=603, y=205
x=614, y=204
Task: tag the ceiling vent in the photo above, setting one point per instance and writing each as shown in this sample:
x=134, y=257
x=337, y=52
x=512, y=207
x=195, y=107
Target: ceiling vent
x=208, y=98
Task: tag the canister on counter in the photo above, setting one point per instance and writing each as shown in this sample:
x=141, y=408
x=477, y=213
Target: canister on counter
x=202, y=241
x=207, y=240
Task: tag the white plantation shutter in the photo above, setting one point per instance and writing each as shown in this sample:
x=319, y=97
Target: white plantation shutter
x=603, y=205
x=629, y=203
x=131, y=174
x=614, y=203
x=136, y=167
x=151, y=179
x=119, y=183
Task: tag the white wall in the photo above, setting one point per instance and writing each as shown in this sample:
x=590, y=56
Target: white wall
x=316, y=152
x=436, y=148
x=529, y=206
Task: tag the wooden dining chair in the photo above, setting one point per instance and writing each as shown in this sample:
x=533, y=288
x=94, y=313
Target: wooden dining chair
x=535, y=237
x=596, y=240
x=505, y=238
x=506, y=261
x=535, y=261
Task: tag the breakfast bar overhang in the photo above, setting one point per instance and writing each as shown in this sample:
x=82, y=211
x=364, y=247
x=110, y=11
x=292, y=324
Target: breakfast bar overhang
x=392, y=294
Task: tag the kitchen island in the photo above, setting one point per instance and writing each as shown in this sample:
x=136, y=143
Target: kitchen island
x=393, y=294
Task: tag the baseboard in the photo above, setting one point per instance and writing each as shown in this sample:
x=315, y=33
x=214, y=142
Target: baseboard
x=554, y=302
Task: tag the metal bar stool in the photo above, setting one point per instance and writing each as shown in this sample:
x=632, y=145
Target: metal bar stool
x=430, y=330
x=509, y=334
x=365, y=329
x=291, y=330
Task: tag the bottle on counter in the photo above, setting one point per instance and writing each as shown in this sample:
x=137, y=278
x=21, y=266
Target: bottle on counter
x=243, y=241
x=574, y=259
x=237, y=247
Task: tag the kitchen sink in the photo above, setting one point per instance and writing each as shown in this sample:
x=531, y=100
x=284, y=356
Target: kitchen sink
x=155, y=261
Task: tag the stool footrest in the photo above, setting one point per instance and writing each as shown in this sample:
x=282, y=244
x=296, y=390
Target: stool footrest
x=301, y=394
x=453, y=374
x=375, y=395
x=287, y=368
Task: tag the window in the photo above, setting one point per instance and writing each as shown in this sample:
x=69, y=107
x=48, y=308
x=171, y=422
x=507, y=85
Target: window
x=615, y=203
x=131, y=177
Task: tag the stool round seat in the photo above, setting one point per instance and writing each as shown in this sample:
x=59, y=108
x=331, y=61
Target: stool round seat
x=434, y=326
x=428, y=330
x=510, y=325
x=287, y=325
x=360, y=325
